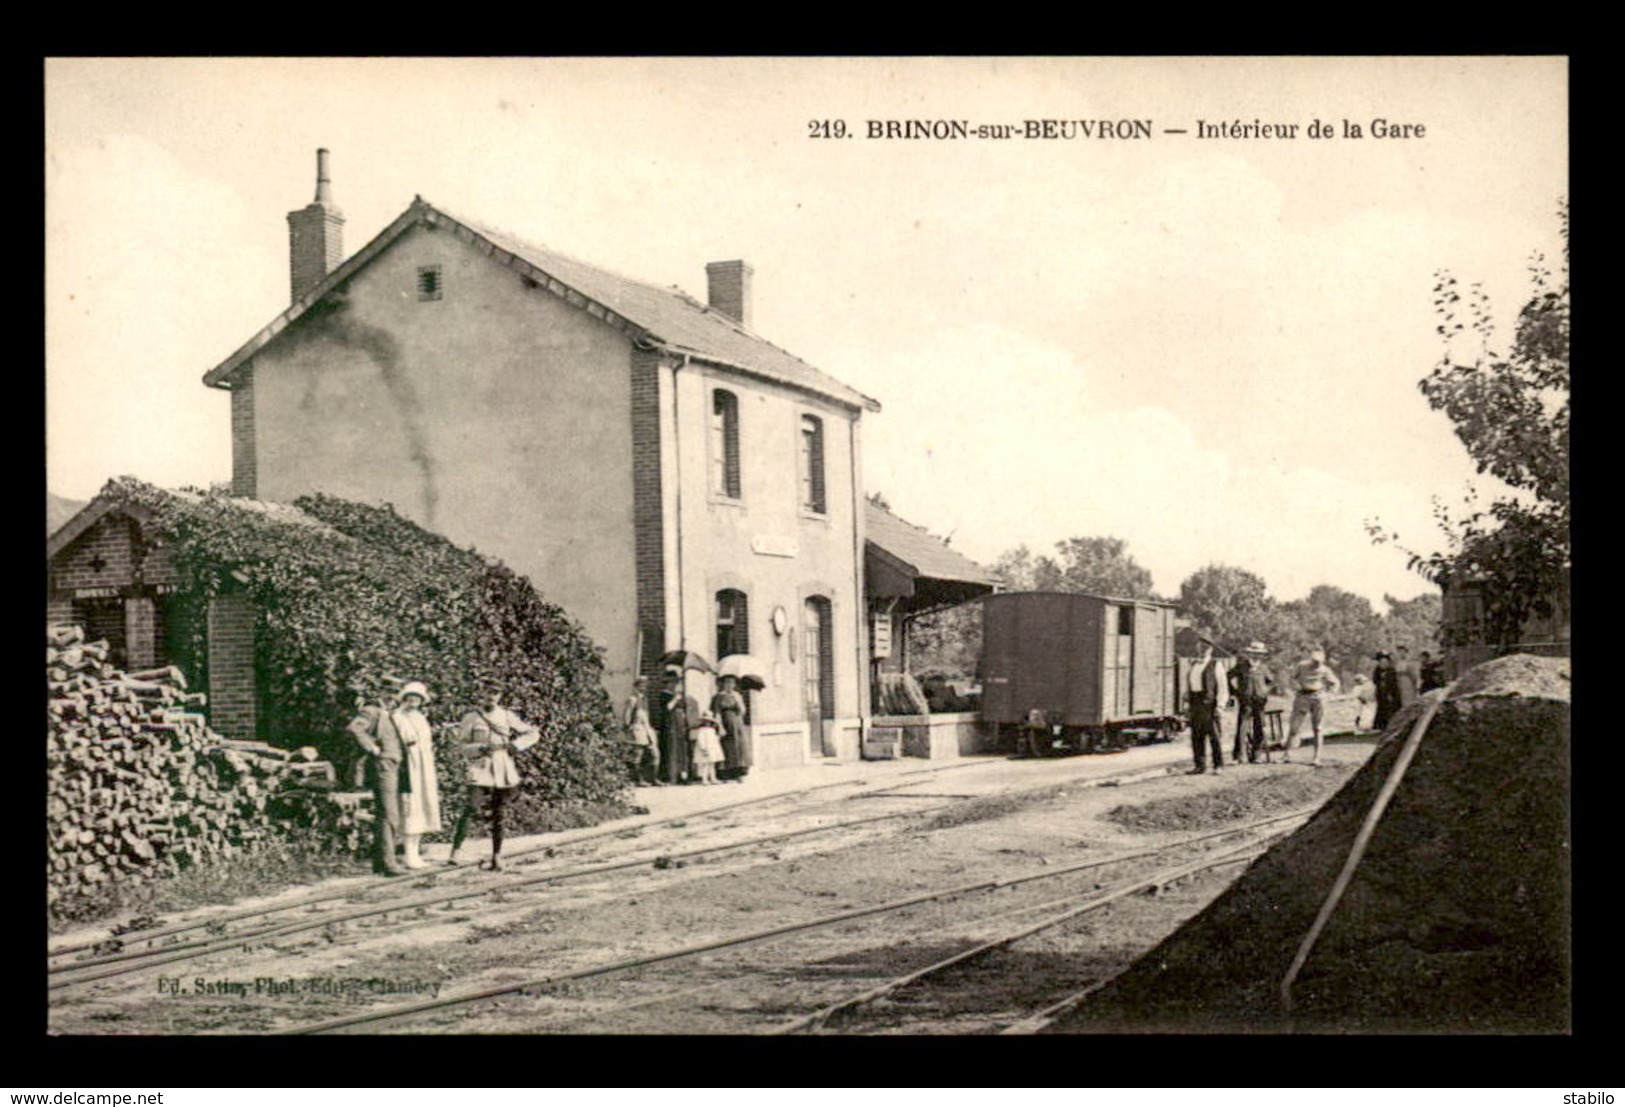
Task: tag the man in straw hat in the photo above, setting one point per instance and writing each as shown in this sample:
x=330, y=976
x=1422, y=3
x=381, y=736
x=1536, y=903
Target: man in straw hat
x=1251, y=684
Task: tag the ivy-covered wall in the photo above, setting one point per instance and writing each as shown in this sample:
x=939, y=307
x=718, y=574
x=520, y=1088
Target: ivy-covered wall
x=350, y=598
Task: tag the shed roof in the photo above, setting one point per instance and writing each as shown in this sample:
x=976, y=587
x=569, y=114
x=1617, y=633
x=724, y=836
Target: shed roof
x=663, y=318
x=919, y=552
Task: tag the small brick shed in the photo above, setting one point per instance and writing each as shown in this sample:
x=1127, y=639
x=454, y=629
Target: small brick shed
x=109, y=572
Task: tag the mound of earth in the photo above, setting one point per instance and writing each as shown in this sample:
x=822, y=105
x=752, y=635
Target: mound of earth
x=1456, y=919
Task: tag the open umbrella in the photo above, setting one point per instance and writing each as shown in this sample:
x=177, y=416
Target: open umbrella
x=686, y=659
x=746, y=668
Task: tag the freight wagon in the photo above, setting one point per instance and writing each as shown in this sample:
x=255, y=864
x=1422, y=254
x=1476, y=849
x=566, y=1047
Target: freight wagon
x=1101, y=669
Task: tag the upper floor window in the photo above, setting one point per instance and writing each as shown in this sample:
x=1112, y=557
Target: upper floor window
x=733, y=623
x=725, y=443
x=812, y=464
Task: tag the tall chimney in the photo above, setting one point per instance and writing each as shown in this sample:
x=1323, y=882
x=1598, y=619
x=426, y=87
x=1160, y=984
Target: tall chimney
x=315, y=235
x=728, y=289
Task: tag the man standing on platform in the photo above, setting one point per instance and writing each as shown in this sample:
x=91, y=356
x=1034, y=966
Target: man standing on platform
x=1251, y=684
x=1206, y=694
x=1310, y=677
x=374, y=731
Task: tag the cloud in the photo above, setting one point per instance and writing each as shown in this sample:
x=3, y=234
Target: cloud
x=136, y=311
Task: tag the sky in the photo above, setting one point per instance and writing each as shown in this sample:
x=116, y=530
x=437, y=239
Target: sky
x=1206, y=344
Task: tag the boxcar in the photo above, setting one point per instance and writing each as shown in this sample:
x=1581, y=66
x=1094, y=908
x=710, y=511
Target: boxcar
x=1100, y=668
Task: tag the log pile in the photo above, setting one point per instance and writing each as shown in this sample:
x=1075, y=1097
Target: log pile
x=138, y=787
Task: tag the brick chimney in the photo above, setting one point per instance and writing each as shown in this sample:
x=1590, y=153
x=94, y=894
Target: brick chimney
x=728, y=289
x=315, y=235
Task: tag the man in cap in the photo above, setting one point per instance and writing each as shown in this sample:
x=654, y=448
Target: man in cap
x=1207, y=693
x=1251, y=685
x=1310, y=677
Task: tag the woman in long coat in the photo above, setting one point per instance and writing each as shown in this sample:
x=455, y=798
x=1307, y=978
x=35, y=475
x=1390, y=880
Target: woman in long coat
x=420, y=807
x=1387, y=683
x=728, y=708
x=681, y=714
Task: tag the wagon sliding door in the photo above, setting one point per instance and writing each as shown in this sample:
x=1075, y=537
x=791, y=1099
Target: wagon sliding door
x=1117, y=639
x=1153, y=662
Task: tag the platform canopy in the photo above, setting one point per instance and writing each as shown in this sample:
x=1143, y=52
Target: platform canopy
x=905, y=563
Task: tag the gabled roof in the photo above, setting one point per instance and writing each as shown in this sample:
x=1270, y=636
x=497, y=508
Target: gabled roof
x=58, y=510
x=666, y=319
x=919, y=553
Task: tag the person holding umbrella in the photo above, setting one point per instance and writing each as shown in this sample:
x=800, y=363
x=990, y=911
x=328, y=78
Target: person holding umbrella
x=728, y=708
x=682, y=712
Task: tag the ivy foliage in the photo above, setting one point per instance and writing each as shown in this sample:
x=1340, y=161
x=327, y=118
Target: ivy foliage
x=352, y=599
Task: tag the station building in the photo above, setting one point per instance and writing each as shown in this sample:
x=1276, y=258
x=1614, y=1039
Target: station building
x=656, y=467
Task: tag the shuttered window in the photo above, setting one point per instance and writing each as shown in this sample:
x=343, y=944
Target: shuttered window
x=725, y=443
x=812, y=464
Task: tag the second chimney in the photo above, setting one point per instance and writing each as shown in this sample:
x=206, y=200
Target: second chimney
x=728, y=289
x=315, y=235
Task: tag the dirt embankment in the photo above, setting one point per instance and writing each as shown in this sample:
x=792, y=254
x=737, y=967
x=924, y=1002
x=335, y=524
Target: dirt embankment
x=1457, y=918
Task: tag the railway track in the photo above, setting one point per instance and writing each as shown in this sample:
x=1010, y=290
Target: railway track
x=522, y=856
x=233, y=931
x=915, y=992
x=758, y=991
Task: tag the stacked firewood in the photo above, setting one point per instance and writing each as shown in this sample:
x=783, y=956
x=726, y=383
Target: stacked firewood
x=139, y=787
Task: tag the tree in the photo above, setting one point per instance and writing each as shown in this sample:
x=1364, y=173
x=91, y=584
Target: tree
x=1102, y=566
x=1414, y=622
x=1094, y=566
x=1022, y=572
x=947, y=641
x=1232, y=604
x=1341, y=622
x=1511, y=412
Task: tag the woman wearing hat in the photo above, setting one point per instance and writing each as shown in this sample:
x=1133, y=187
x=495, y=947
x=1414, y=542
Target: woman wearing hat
x=706, y=750
x=1386, y=678
x=728, y=708
x=420, y=791
x=490, y=737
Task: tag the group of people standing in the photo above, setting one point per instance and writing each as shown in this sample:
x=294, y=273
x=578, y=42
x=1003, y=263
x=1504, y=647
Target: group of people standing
x=1211, y=687
x=689, y=747
x=398, y=760
x=1396, y=681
